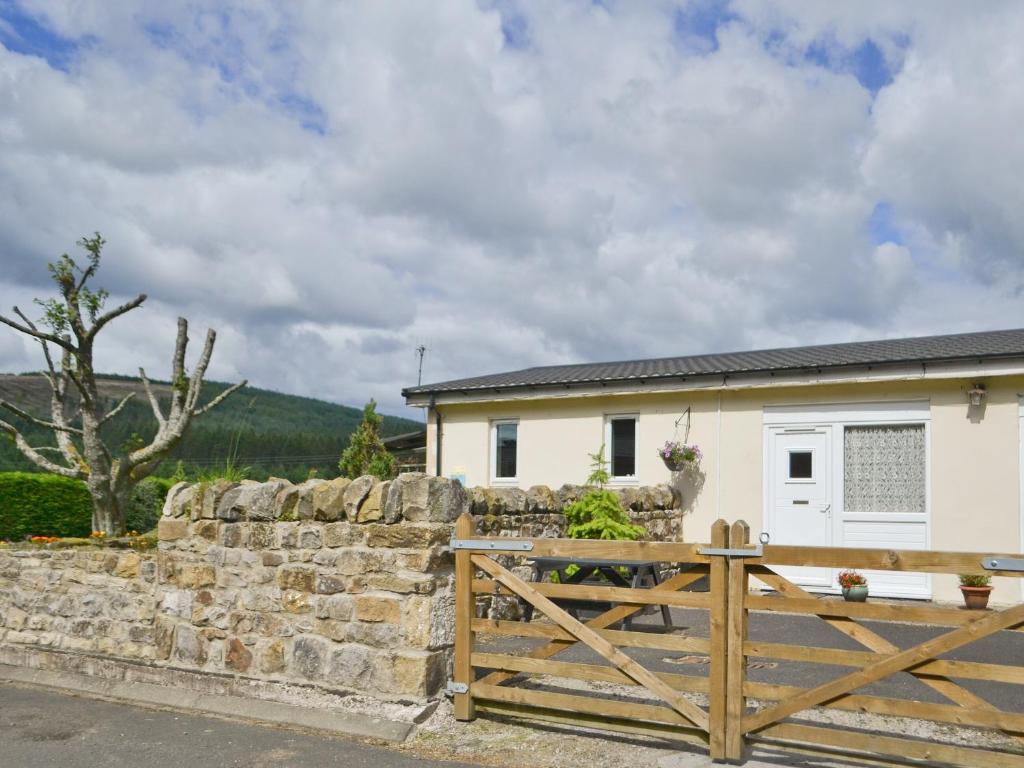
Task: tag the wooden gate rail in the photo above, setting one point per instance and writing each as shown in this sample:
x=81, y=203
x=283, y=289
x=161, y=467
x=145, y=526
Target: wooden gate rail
x=598, y=593
x=729, y=724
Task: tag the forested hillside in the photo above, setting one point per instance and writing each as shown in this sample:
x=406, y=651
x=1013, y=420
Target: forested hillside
x=269, y=433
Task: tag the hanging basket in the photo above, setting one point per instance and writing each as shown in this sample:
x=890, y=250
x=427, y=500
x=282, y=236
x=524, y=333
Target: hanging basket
x=679, y=456
x=676, y=463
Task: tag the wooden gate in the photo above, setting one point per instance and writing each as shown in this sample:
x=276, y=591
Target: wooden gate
x=879, y=659
x=723, y=710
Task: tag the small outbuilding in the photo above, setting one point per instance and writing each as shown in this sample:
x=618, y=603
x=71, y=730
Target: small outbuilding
x=899, y=443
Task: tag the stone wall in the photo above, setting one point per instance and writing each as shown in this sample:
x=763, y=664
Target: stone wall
x=538, y=511
x=346, y=586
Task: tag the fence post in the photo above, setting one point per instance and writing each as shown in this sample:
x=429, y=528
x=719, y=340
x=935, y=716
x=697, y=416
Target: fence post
x=465, y=605
x=736, y=702
x=719, y=618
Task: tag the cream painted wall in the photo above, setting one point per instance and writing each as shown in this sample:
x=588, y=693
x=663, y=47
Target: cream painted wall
x=975, y=470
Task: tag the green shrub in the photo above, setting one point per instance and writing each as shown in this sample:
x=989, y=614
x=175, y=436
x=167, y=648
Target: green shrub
x=598, y=514
x=43, y=505
x=37, y=504
x=146, y=504
x=975, y=580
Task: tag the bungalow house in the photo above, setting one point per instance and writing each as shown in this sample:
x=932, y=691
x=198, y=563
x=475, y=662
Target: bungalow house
x=906, y=443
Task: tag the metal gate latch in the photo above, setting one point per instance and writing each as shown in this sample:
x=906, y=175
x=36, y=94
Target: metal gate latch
x=757, y=551
x=494, y=545
x=1002, y=564
x=453, y=688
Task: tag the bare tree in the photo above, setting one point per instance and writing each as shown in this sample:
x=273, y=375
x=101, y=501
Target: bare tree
x=77, y=411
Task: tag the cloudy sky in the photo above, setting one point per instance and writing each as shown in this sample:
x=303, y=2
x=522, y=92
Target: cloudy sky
x=330, y=184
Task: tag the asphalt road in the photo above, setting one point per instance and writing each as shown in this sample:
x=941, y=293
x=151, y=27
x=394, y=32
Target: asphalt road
x=43, y=729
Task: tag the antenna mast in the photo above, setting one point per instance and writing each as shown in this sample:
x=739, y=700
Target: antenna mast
x=420, y=351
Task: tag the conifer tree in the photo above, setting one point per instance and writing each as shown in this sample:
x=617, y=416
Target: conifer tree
x=366, y=454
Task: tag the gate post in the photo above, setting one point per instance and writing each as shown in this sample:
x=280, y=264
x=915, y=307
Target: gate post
x=465, y=609
x=719, y=618
x=739, y=582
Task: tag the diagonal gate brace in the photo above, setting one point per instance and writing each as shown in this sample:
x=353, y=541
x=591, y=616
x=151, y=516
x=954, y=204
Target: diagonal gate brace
x=624, y=663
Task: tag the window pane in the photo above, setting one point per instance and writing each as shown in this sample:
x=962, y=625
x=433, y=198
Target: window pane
x=800, y=465
x=884, y=468
x=505, y=460
x=623, y=447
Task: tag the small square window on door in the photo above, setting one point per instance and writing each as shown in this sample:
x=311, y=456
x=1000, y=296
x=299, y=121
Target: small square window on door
x=801, y=465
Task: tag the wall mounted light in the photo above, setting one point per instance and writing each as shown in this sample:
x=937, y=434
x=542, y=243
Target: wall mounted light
x=976, y=394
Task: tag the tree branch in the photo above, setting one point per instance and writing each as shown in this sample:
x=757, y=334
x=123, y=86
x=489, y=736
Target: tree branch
x=117, y=408
x=37, y=421
x=82, y=391
x=52, y=377
x=195, y=384
x=37, y=458
x=178, y=371
x=153, y=402
x=180, y=345
x=102, y=320
x=221, y=398
x=36, y=333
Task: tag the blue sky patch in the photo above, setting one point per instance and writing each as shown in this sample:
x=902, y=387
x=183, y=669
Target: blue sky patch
x=882, y=225
x=225, y=52
x=866, y=62
x=515, y=29
x=25, y=34
x=307, y=112
x=699, y=21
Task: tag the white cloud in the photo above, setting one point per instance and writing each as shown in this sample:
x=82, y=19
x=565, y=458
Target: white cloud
x=332, y=184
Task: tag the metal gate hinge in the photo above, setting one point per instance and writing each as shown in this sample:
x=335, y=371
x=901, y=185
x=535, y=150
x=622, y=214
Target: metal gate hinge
x=757, y=551
x=493, y=545
x=454, y=687
x=1002, y=564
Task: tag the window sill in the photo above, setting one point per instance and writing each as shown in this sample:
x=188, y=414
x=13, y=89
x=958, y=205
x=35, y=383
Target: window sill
x=623, y=481
x=504, y=482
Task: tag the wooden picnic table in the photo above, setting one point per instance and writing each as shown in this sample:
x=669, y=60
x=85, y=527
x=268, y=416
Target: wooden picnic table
x=641, y=574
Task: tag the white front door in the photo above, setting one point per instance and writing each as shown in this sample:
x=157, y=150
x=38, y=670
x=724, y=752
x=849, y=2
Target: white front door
x=800, y=493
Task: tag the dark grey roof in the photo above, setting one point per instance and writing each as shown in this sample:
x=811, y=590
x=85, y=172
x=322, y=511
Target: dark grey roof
x=406, y=440
x=962, y=346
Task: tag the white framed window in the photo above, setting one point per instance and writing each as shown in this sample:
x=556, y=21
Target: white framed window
x=505, y=451
x=620, y=437
x=801, y=467
x=885, y=468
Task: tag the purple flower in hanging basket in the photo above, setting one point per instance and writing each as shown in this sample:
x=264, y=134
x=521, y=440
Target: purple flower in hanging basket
x=678, y=455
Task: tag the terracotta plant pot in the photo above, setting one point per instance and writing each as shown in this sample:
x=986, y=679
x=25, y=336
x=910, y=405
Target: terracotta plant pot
x=855, y=594
x=976, y=598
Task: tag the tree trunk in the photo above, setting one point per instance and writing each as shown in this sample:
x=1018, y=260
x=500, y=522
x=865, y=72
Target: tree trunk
x=107, y=506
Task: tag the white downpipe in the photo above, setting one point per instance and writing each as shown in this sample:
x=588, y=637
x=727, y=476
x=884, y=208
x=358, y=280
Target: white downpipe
x=1020, y=472
x=718, y=462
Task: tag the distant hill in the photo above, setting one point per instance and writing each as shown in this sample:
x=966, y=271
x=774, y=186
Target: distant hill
x=269, y=432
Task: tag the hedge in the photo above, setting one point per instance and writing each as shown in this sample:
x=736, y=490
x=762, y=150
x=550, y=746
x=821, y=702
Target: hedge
x=34, y=504
x=147, y=503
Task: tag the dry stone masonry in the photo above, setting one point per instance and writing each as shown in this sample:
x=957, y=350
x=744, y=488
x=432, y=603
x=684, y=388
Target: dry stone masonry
x=343, y=585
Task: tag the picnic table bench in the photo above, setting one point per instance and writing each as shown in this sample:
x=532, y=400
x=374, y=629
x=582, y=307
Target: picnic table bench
x=633, y=574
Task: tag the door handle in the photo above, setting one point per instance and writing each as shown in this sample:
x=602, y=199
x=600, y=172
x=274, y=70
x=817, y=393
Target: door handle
x=826, y=509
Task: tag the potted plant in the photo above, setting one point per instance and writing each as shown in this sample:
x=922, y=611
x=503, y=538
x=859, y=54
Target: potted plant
x=854, y=585
x=678, y=456
x=976, y=589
